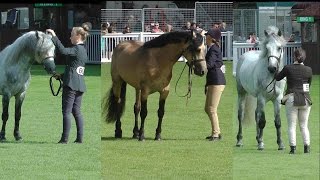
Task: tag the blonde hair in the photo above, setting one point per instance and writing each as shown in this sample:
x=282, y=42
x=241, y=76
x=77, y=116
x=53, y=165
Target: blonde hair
x=83, y=30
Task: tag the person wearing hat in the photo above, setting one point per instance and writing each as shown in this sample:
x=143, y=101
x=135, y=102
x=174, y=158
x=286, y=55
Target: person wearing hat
x=215, y=81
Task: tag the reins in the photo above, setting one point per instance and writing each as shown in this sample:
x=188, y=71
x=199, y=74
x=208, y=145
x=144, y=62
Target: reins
x=52, y=88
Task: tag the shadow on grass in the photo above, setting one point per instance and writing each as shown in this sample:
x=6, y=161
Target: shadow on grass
x=150, y=139
x=26, y=142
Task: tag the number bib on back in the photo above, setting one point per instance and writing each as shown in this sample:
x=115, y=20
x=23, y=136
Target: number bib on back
x=80, y=70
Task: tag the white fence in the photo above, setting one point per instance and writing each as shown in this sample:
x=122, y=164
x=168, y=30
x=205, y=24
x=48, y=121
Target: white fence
x=241, y=48
x=93, y=46
x=109, y=42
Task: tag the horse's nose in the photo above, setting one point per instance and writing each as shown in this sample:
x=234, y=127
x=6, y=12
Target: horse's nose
x=272, y=69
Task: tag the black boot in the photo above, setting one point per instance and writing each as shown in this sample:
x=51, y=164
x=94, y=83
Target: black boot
x=292, y=150
x=306, y=149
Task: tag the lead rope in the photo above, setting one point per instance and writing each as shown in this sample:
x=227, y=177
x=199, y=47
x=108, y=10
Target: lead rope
x=52, y=88
x=188, y=94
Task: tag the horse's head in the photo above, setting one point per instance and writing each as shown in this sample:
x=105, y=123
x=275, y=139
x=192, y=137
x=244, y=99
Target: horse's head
x=195, y=54
x=274, y=48
x=44, y=51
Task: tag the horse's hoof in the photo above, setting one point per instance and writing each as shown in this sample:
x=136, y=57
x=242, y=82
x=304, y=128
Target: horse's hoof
x=135, y=136
x=239, y=144
x=281, y=147
x=141, y=138
x=17, y=136
x=2, y=137
x=118, y=134
x=157, y=138
x=261, y=146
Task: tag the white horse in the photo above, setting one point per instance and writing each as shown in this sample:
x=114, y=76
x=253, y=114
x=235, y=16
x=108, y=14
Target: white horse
x=15, y=63
x=255, y=76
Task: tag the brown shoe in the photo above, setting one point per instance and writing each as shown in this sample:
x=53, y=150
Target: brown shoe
x=215, y=138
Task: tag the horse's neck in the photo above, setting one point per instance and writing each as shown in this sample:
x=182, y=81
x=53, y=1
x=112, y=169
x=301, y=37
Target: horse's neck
x=171, y=53
x=18, y=52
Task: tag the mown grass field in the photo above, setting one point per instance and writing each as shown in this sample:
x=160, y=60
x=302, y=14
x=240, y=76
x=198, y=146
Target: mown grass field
x=39, y=156
x=183, y=152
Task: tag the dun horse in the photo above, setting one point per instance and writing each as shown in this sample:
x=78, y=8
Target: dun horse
x=148, y=68
x=15, y=63
x=255, y=74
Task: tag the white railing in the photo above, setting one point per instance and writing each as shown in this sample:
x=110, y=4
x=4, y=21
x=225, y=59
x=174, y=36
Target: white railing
x=240, y=48
x=109, y=42
x=93, y=46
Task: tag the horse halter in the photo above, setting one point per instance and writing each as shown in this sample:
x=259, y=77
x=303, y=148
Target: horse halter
x=274, y=77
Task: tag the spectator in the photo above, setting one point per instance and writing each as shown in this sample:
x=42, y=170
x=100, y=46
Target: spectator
x=104, y=28
x=156, y=28
x=223, y=27
x=126, y=30
x=168, y=28
x=292, y=38
x=187, y=26
x=193, y=26
x=252, y=38
x=216, y=25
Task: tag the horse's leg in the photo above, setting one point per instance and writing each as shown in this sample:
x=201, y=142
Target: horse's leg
x=241, y=104
x=260, y=121
x=143, y=113
x=162, y=101
x=5, y=116
x=136, y=109
x=117, y=93
x=277, y=123
x=18, y=105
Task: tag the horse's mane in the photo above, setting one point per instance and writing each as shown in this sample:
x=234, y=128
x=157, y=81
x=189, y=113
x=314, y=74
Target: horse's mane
x=27, y=42
x=272, y=32
x=169, y=38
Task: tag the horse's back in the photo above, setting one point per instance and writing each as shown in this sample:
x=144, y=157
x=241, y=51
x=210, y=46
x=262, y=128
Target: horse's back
x=125, y=62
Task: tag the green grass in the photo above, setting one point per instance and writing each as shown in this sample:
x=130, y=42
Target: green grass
x=183, y=152
x=39, y=156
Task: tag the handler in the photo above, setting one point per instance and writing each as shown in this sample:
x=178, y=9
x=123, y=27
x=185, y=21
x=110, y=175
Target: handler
x=73, y=80
x=297, y=99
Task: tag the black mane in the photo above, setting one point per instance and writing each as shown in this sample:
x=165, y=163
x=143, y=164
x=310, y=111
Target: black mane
x=169, y=38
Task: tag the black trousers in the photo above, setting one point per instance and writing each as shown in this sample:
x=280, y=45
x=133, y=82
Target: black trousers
x=71, y=104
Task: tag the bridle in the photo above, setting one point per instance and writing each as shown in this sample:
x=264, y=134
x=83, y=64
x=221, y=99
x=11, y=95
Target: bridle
x=192, y=49
x=274, y=76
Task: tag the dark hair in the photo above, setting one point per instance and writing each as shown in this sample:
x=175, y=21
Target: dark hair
x=300, y=55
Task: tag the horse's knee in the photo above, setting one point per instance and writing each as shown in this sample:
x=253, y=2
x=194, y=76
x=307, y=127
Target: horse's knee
x=160, y=113
x=5, y=116
x=262, y=121
x=277, y=122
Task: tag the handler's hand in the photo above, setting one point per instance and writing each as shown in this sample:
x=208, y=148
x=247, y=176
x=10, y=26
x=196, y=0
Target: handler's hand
x=57, y=76
x=51, y=32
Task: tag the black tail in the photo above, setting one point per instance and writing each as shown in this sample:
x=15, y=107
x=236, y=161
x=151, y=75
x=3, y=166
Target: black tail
x=115, y=110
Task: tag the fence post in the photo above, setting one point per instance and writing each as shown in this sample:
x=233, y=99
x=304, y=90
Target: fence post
x=229, y=43
x=141, y=37
x=235, y=60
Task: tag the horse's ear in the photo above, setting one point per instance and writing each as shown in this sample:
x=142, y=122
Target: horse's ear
x=279, y=33
x=266, y=33
x=37, y=34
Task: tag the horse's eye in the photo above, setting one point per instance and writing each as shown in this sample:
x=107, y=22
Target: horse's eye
x=279, y=48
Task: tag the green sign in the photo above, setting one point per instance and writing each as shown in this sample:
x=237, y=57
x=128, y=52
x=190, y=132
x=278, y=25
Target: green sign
x=48, y=5
x=305, y=19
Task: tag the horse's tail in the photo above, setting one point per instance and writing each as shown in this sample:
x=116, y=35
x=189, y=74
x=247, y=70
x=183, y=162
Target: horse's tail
x=114, y=109
x=249, y=110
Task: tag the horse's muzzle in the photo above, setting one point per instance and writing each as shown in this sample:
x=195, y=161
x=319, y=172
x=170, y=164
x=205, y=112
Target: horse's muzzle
x=49, y=65
x=272, y=69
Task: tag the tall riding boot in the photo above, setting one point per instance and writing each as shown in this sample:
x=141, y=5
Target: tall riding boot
x=292, y=150
x=306, y=148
